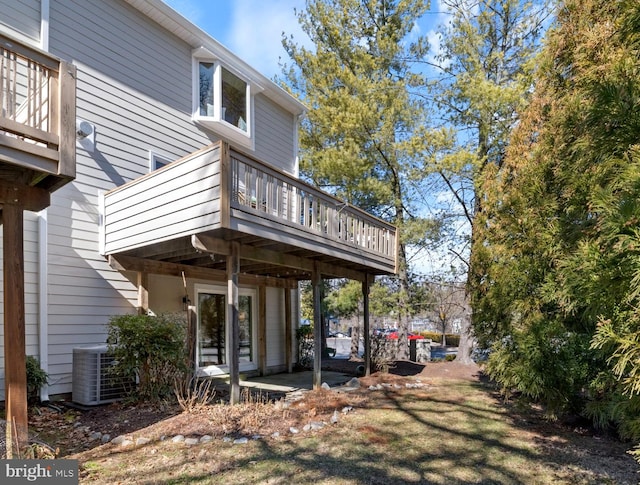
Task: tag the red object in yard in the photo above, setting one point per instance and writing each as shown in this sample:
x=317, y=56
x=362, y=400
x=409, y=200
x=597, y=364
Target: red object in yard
x=412, y=336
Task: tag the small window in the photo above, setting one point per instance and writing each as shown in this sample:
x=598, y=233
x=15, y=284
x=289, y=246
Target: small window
x=157, y=161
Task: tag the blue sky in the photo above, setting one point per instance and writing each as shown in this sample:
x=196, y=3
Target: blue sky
x=253, y=29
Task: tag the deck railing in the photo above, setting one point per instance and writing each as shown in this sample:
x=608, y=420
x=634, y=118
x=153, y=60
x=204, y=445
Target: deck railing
x=259, y=188
x=37, y=109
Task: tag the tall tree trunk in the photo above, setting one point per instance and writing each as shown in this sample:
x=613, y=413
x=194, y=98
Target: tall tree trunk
x=403, y=303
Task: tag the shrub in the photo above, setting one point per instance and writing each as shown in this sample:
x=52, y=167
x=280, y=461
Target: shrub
x=452, y=340
x=150, y=349
x=36, y=377
x=449, y=357
x=194, y=394
x=433, y=336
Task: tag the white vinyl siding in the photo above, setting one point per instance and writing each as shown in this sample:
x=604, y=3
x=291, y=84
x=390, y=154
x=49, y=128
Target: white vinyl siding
x=134, y=84
x=178, y=200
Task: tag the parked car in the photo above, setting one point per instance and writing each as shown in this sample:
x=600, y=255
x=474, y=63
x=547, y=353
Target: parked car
x=412, y=336
x=337, y=335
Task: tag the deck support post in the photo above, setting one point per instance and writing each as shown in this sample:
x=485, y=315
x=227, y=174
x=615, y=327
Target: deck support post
x=233, y=268
x=366, y=286
x=316, y=282
x=143, y=292
x=262, y=329
x=288, y=337
x=15, y=369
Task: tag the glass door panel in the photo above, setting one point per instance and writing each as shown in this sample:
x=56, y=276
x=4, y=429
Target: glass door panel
x=245, y=321
x=212, y=329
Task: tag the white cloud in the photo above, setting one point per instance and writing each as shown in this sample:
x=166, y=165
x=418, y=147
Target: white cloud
x=256, y=32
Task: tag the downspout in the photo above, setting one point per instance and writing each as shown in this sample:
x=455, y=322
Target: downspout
x=44, y=25
x=43, y=298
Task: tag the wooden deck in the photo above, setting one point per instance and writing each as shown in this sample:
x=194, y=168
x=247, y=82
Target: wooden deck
x=37, y=156
x=37, y=117
x=189, y=212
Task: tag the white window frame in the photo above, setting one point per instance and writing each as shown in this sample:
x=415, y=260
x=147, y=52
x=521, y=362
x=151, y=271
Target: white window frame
x=216, y=123
x=156, y=158
x=215, y=370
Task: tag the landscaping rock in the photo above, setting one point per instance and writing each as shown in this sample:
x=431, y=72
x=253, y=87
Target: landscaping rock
x=354, y=383
x=241, y=441
x=142, y=441
x=293, y=430
x=334, y=417
x=347, y=409
x=118, y=440
x=177, y=439
x=106, y=438
x=95, y=436
x=325, y=386
x=316, y=425
x=191, y=441
x=206, y=439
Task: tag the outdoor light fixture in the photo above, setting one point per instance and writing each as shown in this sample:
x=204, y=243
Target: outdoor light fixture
x=185, y=303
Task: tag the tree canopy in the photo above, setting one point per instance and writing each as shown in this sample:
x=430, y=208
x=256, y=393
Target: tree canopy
x=559, y=299
x=363, y=118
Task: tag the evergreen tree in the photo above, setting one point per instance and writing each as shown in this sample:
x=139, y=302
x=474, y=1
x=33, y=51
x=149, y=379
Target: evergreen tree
x=563, y=266
x=362, y=116
x=485, y=73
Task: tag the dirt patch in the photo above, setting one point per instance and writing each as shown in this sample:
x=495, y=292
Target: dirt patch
x=437, y=398
x=70, y=430
x=445, y=370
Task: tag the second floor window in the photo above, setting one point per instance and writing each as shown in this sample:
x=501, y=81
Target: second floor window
x=222, y=95
x=234, y=100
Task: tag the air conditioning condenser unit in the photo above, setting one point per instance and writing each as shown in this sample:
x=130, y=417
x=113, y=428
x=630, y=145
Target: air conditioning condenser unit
x=93, y=380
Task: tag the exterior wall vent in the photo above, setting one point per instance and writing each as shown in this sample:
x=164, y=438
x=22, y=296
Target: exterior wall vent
x=93, y=382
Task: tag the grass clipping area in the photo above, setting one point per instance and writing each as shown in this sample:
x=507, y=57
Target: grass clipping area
x=444, y=432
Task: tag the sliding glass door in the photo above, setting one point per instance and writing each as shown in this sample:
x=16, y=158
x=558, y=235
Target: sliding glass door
x=214, y=336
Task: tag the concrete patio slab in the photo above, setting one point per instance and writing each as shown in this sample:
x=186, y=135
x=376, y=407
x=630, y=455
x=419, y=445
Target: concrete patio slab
x=295, y=381
x=289, y=386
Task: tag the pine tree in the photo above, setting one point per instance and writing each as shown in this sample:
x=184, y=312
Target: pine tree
x=485, y=65
x=362, y=116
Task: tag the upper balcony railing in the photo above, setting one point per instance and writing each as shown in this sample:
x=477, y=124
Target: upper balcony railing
x=37, y=111
x=259, y=188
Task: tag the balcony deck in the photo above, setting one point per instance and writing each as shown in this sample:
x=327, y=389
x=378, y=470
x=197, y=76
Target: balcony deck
x=37, y=117
x=188, y=213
